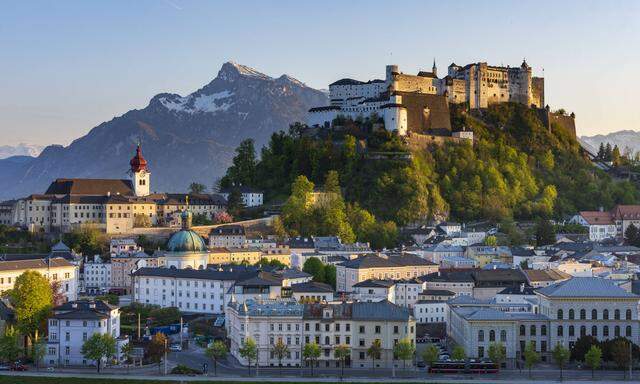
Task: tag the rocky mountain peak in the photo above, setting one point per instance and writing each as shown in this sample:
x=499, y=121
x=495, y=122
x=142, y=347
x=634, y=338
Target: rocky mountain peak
x=232, y=71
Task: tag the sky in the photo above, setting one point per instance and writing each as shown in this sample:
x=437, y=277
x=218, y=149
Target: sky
x=67, y=66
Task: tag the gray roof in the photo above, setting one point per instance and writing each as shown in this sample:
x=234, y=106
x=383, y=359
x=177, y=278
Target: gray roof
x=491, y=314
x=377, y=261
x=204, y=274
x=378, y=311
x=586, y=287
x=374, y=283
x=311, y=286
x=275, y=307
x=15, y=265
x=81, y=314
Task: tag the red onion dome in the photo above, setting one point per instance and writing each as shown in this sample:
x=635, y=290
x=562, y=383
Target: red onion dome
x=138, y=163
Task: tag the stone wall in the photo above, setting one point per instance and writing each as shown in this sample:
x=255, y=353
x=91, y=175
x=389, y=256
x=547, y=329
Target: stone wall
x=427, y=114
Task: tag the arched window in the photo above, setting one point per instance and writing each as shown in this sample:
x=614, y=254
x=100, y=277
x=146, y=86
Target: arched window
x=533, y=330
x=326, y=340
x=523, y=330
x=503, y=336
x=571, y=331
x=628, y=331
x=594, y=331
x=616, y=314
x=605, y=314
x=560, y=330
x=628, y=314
x=583, y=331
x=481, y=335
x=605, y=331
x=583, y=314
x=543, y=330
x=616, y=332
x=594, y=314
x=572, y=314
x=492, y=335
x=560, y=314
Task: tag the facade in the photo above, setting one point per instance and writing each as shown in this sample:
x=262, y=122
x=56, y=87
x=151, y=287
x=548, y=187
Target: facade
x=372, y=290
x=600, y=224
x=381, y=267
x=75, y=322
x=97, y=276
x=56, y=269
x=194, y=291
x=227, y=236
x=115, y=206
x=124, y=264
x=393, y=100
x=312, y=291
x=460, y=282
x=125, y=245
x=250, y=197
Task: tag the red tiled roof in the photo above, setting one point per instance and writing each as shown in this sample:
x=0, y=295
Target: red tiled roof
x=597, y=217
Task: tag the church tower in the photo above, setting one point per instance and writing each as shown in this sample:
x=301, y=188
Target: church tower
x=140, y=175
x=434, y=69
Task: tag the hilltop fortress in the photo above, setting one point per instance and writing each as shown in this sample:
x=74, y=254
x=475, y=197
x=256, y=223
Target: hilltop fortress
x=420, y=103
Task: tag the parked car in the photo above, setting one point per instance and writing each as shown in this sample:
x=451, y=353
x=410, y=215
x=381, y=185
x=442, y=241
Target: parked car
x=4, y=367
x=175, y=348
x=421, y=364
x=444, y=357
x=18, y=366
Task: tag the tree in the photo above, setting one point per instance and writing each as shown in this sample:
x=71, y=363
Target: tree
x=127, y=350
x=98, y=347
x=32, y=300
x=39, y=350
x=311, y=353
x=216, y=351
x=249, y=351
x=404, y=350
x=545, y=233
x=593, y=358
x=430, y=355
x=375, y=351
x=197, y=188
x=531, y=357
x=280, y=350
x=582, y=346
x=458, y=353
x=330, y=275
x=620, y=354
x=491, y=241
x=342, y=352
x=140, y=220
x=315, y=268
x=235, y=204
x=110, y=298
x=497, y=353
x=608, y=153
x=243, y=170
x=9, y=348
x=86, y=240
x=631, y=235
x=600, y=155
x=157, y=348
x=222, y=217
x=560, y=355
x=615, y=155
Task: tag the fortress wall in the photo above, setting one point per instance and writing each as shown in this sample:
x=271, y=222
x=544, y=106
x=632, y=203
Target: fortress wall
x=412, y=83
x=568, y=123
x=427, y=113
x=417, y=142
x=537, y=90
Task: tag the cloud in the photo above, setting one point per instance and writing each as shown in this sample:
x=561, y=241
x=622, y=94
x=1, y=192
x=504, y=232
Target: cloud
x=173, y=5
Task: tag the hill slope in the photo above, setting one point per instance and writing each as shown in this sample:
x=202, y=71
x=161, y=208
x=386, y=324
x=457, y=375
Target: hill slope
x=185, y=139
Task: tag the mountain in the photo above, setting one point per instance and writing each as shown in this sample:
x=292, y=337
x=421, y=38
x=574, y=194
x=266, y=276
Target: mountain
x=623, y=139
x=185, y=139
x=21, y=149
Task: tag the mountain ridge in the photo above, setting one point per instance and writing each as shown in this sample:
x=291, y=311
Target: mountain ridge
x=184, y=138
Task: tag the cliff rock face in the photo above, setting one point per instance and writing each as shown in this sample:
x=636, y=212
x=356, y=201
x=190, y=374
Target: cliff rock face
x=185, y=139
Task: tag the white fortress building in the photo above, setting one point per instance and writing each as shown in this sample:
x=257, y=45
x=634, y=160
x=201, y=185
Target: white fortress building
x=415, y=102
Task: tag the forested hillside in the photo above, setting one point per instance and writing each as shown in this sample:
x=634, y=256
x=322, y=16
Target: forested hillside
x=516, y=168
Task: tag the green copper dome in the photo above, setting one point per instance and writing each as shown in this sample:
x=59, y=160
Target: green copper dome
x=186, y=241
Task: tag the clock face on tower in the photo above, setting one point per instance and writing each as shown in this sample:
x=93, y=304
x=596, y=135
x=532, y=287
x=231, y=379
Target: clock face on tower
x=143, y=173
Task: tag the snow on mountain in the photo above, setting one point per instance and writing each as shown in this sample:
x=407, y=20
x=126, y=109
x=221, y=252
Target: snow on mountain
x=185, y=139
x=626, y=139
x=21, y=149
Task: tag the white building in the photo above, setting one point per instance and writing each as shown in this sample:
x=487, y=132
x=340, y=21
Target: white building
x=250, y=197
x=190, y=290
x=97, y=276
x=126, y=245
x=374, y=290
x=55, y=269
x=227, y=236
x=601, y=225
x=75, y=322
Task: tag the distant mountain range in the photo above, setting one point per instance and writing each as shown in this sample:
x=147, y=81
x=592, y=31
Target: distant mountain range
x=21, y=149
x=623, y=139
x=184, y=139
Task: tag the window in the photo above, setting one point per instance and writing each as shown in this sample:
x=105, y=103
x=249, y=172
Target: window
x=378, y=329
x=361, y=329
x=571, y=331
x=628, y=331
x=543, y=330
x=492, y=335
x=480, y=352
x=583, y=314
x=594, y=331
x=605, y=331
x=594, y=314
x=616, y=314
x=583, y=331
x=559, y=314
x=337, y=327
x=84, y=336
x=395, y=329
x=628, y=314
x=571, y=314
x=67, y=336
x=532, y=330
x=481, y=335
x=605, y=314
x=523, y=330
x=326, y=340
x=560, y=330
x=616, y=332
x=503, y=336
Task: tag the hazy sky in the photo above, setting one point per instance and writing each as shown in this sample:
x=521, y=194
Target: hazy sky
x=67, y=66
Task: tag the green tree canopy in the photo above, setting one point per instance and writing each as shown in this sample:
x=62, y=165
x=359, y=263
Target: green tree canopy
x=32, y=300
x=374, y=351
x=249, y=351
x=98, y=347
x=593, y=358
x=497, y=352
x=531, y=357
x=430, y=354
x=404, y=350
x=216, y=352
x=311, y=353
x=560, y=356
x=458, y=353
x=197, y=188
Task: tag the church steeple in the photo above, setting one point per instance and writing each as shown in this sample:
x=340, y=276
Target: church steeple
x=140, y=175
x=434, y=69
